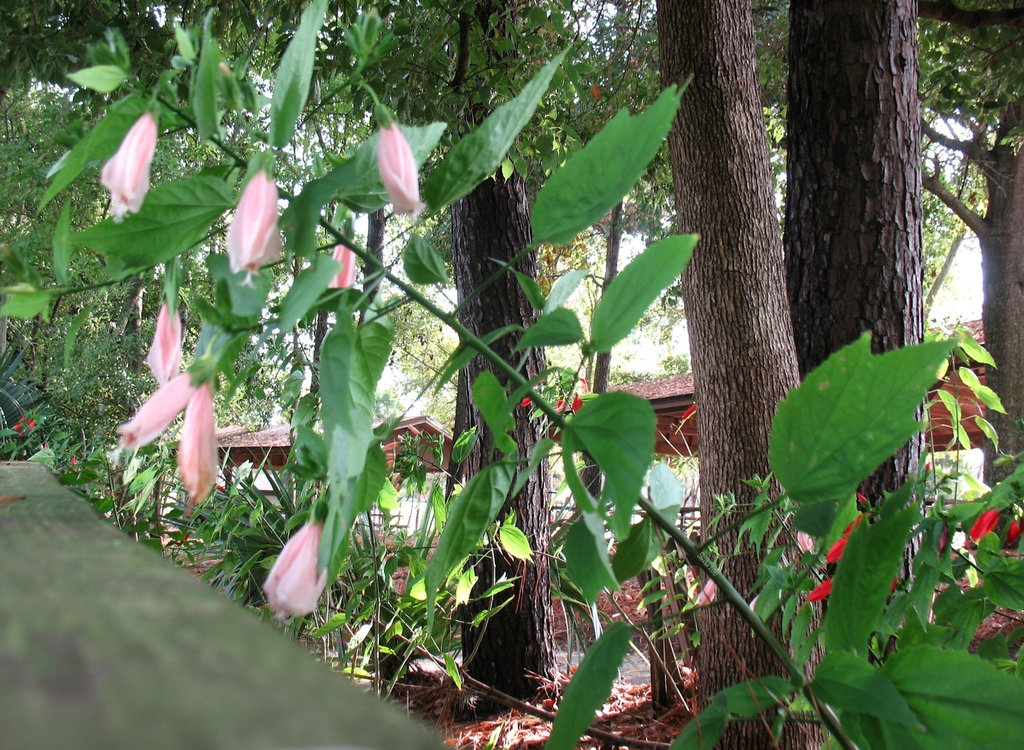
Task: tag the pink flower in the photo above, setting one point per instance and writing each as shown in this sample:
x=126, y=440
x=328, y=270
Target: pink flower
x=707, y=594
x=197, y=449
x=253, y=237
x=397, y=167
x=821, y=591
x=165, y=354
x=126, y=174
x=294, y=584
x=986, y=522
x=804, y=542
x=344, y=278
x=159, y=411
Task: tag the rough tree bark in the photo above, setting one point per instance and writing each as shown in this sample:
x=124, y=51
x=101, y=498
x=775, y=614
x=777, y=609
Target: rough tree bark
x=734, y=290
x=853, y=210
x=489, y=226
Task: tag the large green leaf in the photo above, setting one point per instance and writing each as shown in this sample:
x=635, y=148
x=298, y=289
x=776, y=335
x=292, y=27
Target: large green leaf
x=477, y=156
x=99, y=143
x=961, y=701
x=637, y=286
x=291, y=86
x=356, y=183
x=491, y=400
x=617, y=430
x=863, y=579
x=472, y=512
x=850, y=684
x=62, y=249
x=173, y=218
x=101, y=78
x=594, y=179
x=589, y=688
x=306, y=290
x=635, y=553
x=850, y=413
x=423, y=264
x=586, y=557
x=556, y=328
x=204, y=85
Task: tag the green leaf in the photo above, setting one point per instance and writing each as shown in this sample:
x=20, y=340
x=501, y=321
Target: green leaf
x=961, y=701
x=636, y=286
x=453, y=671
x=973, y=349
x=704, y=730
x=356, y=183
x=514, y=542
x=590, y=688
x=532, y=290
x=306, y=290
x=174, y=217
x=1004, y=584
x=471, y=513
x=755, y=697
x=563, y=289
x=635, y=553
x=617, y=430
x=62, y=244
x=247, y=292
x=586, y=557
x=594, y=179
x=491, y=399
x=72, y=334
x=477, y=156
x=27, y=305
x=423, y=264
x=557, y=328
x=204, y=85
x=983, y=392
x=850, y=684
x=291, y=86
x=862, y=581
x=99, y=143
x=666, y=491
x=101, y=78
x=848, y=415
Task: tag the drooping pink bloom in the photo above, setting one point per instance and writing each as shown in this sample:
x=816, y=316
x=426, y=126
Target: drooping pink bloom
x=164, y=357
x=159, y=411
x=986, y=522
x=397, y=167
x=197, y=449
x=294, y=584
x=804, y=542
x=253, y=237
x=821, y=591
x=836, y=551
x=126, y=173
x=707, y=594
x=347, y=275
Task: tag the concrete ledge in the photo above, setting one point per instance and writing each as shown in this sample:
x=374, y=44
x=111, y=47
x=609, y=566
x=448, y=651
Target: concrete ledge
x=104, y=644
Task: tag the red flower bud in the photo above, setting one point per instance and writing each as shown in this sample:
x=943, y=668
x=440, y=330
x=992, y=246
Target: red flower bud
x=821, y=591
x=986, y=522
x=577, y=403
x=836, y=551
x=1013, y=533
x=526, y=401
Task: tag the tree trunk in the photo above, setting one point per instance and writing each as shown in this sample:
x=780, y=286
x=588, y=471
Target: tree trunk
x=489, y=226
x=734, y=290
x=1002, y=267
x=853, y=211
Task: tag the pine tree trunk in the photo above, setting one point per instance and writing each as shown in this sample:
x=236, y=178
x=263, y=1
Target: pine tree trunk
x=491, y=225
x=734, y=290
x=853, y=211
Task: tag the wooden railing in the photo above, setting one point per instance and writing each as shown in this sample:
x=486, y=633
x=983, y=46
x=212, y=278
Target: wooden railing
x=105, y=644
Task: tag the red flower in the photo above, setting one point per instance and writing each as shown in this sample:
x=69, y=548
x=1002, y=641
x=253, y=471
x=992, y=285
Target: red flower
x=821, y=591
x=688, y=413
x=836, y=551
x=986, y=522
x=560, y=405
x=863, y=501
x=577, y=403
x=1013, y=533
x=855, y=522
x=526, y=401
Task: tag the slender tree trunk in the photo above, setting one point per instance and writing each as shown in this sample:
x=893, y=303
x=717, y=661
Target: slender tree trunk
x=491, y=225
x=853, y=212
x=734, y=290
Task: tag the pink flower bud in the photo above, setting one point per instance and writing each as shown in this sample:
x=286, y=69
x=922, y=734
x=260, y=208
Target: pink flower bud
x=397, y=167
x=164, y=357
x=344, y=278
x=126, y=174
x=159, y=411
x=986, y=522
x=707, y=594
x=253, y=237
x=804, y=542
x=294, y=584
x=197, y=449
